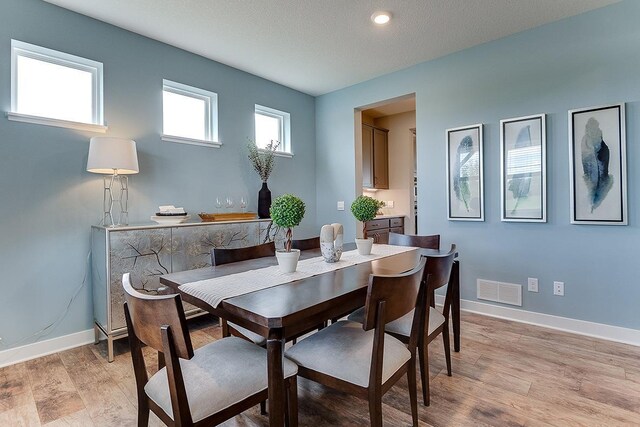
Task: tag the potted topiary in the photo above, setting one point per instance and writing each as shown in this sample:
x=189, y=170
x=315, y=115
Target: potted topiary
x=365, y=208
x=287, y=212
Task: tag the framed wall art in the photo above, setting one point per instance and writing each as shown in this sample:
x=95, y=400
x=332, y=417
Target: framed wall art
x=523, y=181
x=598, y=165
x=465, y=192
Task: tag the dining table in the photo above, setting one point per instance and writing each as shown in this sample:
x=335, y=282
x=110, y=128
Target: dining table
x=283, y=312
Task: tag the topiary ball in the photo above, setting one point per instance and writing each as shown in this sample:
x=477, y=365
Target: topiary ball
x=287, y=211
x=365, y=208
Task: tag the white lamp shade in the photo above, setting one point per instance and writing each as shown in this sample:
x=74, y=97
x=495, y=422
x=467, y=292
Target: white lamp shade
x=112, y=155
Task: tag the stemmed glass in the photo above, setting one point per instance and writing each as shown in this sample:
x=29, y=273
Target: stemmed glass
x=229, y=203
x=243, y=203
x=219, y=204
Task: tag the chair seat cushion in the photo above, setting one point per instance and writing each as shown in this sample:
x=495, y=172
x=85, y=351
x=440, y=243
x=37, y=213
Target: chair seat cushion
x=252, y=336
x=219, y=375
x=402, y=326
x=343, y=350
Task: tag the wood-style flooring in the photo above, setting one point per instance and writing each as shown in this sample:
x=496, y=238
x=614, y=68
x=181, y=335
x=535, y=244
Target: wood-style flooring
x=508, y=374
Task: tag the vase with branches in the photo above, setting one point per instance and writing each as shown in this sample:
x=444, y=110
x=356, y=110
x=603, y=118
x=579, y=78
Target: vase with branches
x=263, y=161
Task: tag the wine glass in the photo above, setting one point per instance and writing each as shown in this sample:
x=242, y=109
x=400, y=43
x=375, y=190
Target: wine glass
x=229, y=203
x=219, y=203
x=243, y=203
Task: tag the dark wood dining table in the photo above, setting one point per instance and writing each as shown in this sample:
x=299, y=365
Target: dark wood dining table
x=283, y=312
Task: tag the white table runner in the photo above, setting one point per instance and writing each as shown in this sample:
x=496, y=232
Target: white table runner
x=213, y=291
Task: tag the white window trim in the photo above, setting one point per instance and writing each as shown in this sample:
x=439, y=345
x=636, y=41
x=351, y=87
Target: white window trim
x=285, y=149
x=40, y=53
x=211, y=105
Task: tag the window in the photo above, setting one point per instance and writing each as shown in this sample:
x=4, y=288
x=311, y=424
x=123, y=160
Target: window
x=55, y=88
x=273, y=125
x=189, y=115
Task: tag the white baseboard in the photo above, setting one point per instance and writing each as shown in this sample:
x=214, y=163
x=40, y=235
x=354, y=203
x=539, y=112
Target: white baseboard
x=580, y=327
x=43, y=348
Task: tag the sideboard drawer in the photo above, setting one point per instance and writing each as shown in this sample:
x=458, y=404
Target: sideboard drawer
x=377, y=224
x=399, y=230
x=397, y=222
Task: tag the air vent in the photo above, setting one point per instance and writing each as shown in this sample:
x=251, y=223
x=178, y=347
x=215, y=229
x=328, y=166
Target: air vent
x=506, y=293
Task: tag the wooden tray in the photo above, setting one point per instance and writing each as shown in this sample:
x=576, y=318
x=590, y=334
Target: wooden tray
x=232, y=216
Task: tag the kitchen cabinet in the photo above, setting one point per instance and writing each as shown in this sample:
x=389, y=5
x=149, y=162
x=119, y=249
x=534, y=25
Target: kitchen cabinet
x=375, y=157
x=380, y=228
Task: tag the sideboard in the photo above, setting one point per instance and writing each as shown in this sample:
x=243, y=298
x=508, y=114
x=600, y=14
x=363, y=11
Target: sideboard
x=149, y=251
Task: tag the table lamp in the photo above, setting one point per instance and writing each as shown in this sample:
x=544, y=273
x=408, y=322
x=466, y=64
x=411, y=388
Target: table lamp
x=115, y=158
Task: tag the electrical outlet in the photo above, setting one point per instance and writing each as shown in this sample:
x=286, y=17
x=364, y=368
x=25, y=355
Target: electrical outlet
x=388, y=204
x=532, y=284
x=340, y=205
x=558, y=288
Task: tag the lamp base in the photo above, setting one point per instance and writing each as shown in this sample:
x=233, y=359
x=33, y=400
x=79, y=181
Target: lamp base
x=116, y=194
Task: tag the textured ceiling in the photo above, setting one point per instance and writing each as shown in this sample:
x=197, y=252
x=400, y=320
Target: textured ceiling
x=317, y=46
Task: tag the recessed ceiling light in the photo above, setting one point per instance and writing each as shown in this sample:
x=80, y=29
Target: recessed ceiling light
x=381, y=18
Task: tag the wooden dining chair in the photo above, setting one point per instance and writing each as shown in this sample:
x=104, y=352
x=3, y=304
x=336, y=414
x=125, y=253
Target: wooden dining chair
x=361, y=359
x=204, y=387
x=432, y=321
x=426, y=242
x=220, y=256
x=306, y=244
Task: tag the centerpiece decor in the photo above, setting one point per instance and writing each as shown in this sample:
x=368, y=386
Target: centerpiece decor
x=262, y=160
x=365, y=208
x=287, y=212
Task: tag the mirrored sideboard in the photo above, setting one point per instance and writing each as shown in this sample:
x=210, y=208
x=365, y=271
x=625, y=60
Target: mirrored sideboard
x=148, y=252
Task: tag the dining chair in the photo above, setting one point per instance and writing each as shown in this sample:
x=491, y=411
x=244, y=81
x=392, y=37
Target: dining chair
x=204, y=387
x=361, y=359
x=220, y=256
x=306, y=244
x=426, y=242
x=432, y=321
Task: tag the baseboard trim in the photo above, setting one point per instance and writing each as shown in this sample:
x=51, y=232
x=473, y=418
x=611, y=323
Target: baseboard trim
x=566, y=324
x=43, y=348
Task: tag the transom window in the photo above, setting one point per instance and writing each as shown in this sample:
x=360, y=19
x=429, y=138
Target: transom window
x=189, y=114
x=273, y=125
x=55, y=88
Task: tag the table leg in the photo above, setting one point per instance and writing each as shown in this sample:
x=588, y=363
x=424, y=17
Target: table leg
x=454, y=280
x=275, y=355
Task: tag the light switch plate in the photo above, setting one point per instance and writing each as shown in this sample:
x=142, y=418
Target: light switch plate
x=532, y=284
x=340, y=205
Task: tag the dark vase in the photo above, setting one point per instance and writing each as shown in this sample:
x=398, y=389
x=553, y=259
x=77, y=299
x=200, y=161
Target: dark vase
x=264, y=201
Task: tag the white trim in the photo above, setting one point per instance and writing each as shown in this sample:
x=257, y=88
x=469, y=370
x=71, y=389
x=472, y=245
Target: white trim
x=211, y=111
x=192, y=141
x=565, y=324
x=277, y=153
x=40, y=53
x=39, y=120
x=43, y=348
x=285, y=128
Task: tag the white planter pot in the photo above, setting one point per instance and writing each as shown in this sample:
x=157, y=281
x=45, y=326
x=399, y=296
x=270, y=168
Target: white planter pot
x=364, y=246
x=288, y=261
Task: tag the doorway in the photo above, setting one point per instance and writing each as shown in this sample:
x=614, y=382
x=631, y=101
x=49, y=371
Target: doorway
x=386, y=169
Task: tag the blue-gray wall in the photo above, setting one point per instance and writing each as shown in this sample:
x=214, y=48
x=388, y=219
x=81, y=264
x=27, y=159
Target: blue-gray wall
x=590, y=59
x=48, y=201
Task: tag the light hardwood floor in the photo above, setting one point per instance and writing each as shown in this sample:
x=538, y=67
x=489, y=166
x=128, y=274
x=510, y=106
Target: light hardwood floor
x=507, y=374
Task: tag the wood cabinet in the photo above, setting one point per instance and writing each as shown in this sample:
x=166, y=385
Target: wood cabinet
x=375, y=157
x=380, y=228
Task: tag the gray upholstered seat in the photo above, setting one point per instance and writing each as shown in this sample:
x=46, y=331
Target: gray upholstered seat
x=252, y=336
x=219, y=375
x=343, y=350
x=402, y=326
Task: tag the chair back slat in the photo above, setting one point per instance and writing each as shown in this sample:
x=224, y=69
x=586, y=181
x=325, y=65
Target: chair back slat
x=306, y=244
x=399, y=292
x=220, y=256
x=426, y=242
x=149, y=313
x=438, y=269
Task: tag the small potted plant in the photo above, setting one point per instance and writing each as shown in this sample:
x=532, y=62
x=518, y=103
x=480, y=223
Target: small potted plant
x=287, y=212
x=365, y=208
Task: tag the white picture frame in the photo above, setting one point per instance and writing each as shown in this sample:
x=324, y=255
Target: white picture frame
x=598, y=165
x=465, y=173
x=523, y=169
